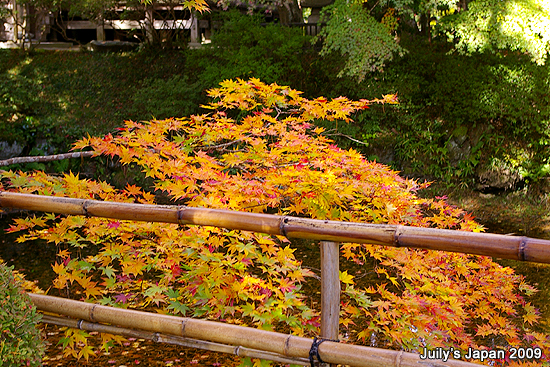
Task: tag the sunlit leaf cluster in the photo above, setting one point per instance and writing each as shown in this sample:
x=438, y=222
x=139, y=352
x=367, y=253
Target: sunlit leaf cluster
x=353, y=32
x=517, y=25
x=259, y=150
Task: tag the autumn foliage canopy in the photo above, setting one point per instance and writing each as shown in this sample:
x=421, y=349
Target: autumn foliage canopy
x=258, y=150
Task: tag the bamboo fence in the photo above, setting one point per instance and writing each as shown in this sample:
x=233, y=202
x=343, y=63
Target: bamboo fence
x=259, y=343
x=487, y=244
x=272, y=343
x=172, y=339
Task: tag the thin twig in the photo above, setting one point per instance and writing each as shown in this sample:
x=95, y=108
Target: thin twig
x=220, y=145
x=347, y=136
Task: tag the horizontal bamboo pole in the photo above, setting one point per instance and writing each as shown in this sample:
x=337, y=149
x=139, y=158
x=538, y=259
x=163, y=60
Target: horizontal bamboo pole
x=172, y=339
x=217, y=332
x=501, y=246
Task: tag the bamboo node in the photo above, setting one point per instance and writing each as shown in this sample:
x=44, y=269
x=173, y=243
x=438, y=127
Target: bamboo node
x=180, y=215
x=92, y=319
x=287, y=345
x=521, y=248
x=183, y=322
x=79, y=324
x=85, y=208
x=396, y=234
x=398, y=359
x=237, y=350
x=282, y=226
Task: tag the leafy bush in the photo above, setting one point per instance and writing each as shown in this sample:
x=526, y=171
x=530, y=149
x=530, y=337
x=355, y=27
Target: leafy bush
x=353, y=32
x=457, y=113
x=161, y=99
x=20, y=341
x=244, y=48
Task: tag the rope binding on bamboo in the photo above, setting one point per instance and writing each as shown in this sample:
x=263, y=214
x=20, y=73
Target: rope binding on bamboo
x=314, y=350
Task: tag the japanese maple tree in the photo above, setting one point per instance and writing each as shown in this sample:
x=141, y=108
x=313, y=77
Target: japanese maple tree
x=259, y=150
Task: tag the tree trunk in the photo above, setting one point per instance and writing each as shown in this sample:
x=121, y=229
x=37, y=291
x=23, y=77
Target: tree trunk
x=290, y=12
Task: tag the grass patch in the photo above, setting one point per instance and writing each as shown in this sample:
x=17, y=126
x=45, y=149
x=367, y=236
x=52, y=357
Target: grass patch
x=63, y=96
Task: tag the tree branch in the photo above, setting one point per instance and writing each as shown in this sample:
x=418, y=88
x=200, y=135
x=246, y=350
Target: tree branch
x=347, y=136
x=45, y=158
x=223, y=145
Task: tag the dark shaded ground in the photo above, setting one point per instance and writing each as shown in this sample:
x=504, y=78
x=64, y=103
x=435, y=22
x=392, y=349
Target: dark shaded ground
x=520, y=213
x=134, y=352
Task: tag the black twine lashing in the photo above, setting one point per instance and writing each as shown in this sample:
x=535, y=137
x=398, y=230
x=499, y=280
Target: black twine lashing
x=314, y=350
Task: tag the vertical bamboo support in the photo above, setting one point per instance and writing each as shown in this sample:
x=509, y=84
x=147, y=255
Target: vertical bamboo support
x=330, y=289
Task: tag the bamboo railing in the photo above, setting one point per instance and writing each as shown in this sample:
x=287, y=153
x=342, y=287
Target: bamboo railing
x=487, y=244
x=260, y=343
x=171, y=339
x=288, y=346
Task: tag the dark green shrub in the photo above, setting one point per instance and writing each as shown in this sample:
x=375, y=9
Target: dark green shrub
x=457, y=112
x=160, y=99
x=20, y=341
x=19, y=101
x=243, y=48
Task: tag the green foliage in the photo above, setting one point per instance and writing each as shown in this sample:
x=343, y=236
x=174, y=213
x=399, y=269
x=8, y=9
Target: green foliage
x=20, y=341
x=366, y=33
x=456, y=114
x=489, y=96
x=502, y=101
x=19, y=102
x=522, y=25
x=90, y=9
x=354, y=33
x=22, y=107
x=161, y=99
x=61, y=96
x=243, y=48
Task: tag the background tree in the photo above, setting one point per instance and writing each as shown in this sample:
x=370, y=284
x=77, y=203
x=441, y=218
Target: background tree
x=368, y=33
x=366, y=43
x=516, y=25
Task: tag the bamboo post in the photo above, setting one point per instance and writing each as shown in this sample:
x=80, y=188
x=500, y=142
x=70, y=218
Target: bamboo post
x=330, y=290
x=217, y=332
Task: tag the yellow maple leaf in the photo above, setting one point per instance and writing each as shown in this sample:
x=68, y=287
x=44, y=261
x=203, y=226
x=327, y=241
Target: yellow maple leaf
x=346, y=278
